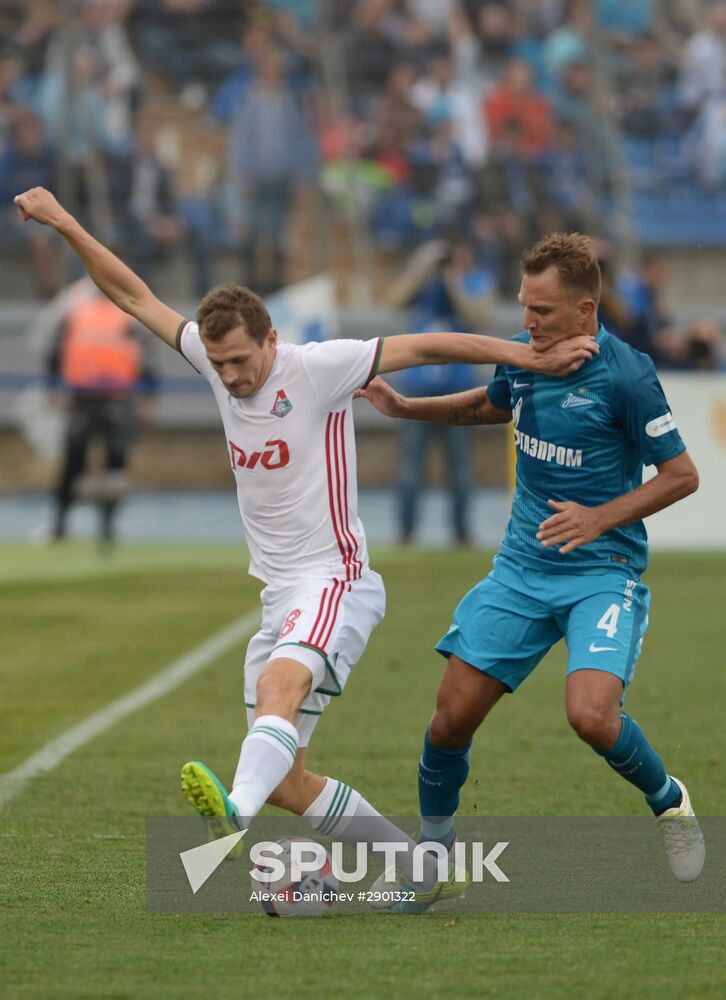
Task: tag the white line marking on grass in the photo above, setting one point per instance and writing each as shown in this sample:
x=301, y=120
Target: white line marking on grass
x=56, y=751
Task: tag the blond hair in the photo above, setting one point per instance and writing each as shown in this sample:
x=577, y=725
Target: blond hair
x=575, y=259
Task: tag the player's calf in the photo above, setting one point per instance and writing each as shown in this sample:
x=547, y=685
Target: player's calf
x=267, y=755
x=441, y=774
x=298, y=790
x=634, y=759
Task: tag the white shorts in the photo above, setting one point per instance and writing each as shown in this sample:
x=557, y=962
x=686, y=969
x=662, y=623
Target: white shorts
x=324, y=624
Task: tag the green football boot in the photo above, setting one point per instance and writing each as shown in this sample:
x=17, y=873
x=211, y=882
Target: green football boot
x=202, y=788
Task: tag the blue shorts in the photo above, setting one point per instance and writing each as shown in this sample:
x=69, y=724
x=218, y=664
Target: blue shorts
x=509, y=621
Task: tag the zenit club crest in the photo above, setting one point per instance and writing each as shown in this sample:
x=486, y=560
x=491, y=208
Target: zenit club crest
x=282, y=404
x=581, y=399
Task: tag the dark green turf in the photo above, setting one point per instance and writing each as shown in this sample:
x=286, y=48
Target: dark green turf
x=77, y=633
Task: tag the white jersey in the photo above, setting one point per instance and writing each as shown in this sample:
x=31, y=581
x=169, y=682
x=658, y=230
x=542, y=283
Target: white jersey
x=292, y=449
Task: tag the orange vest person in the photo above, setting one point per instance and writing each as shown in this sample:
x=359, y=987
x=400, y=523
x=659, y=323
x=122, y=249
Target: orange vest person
x=99, y=353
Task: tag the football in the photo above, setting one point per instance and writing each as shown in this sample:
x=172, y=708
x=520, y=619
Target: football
x=284, y=891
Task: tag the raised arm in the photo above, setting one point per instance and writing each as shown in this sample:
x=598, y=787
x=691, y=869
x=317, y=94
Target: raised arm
x=110, y=274
x=411, y=349
x=462, y=408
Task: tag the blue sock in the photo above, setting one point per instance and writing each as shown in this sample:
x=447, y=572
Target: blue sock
x=441, y=773
x=634, y=759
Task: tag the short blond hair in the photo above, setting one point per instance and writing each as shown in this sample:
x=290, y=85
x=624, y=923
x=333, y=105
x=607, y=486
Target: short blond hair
x=575, y=259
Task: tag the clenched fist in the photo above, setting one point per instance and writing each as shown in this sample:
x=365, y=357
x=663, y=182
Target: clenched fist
x=41, y=205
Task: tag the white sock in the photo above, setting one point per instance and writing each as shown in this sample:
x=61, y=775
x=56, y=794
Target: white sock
x=343, y=814
x=267, y=754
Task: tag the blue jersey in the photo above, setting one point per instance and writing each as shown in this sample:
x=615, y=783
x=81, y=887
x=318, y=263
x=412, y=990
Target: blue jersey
x=584, y=438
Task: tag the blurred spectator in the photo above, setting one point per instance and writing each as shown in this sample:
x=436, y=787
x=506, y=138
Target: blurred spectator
x=272, y=152
x=87, y=99
x=703, y=63
x=567, y=187
x=623, y=20
x=102, y=63
x=434, y=14
x=26, y=163
x=144, y=193
x=519, y=118
x=31, y=36
x=612, y=311
x=370, y=52
x=577, y=103
x=521, y=132
x=74, y=110
x=190, y=41
x=78, y=126
x=494, y=23
x=570, y=43
x=527, y=45
x=703, y=348
x=572, y=97
x=445, y=290
x=11, y=110
x=442, y=96
x=97, y=363
x=645, y=294
x=543, y=16
x=646, y=88
x=708, y=144
x=263, y=32
x=499, y=233
x=11, y=92
x=395, y=121
x=452, y=188
x=417, y=43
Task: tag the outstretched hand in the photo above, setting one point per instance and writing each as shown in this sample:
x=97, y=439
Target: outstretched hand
x=573, y=525
x=566, y=356
x=380, y=394
x=41, y=205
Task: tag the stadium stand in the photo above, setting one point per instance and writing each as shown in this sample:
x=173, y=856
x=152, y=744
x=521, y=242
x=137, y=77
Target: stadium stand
x=394, y=122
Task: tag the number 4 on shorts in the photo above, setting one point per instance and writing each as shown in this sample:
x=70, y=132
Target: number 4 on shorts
x=609, y=621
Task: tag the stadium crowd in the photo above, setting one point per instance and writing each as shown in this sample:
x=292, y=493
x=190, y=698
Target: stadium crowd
x=497, y=121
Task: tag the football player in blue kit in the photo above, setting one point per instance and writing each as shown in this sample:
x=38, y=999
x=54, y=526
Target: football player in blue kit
x=575, y=548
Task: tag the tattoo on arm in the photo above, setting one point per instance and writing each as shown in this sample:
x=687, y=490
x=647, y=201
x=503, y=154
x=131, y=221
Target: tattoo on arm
x=469, y=414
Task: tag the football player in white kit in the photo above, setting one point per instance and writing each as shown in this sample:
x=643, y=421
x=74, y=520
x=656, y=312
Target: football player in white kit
x=286, y=412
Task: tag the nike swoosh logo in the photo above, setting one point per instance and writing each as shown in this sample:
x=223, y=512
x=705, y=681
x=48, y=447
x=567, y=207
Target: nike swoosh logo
x=602, y=649
x=520, y=385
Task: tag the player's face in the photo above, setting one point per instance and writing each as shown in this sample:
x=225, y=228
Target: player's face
x=242, y=364
x=551, y=312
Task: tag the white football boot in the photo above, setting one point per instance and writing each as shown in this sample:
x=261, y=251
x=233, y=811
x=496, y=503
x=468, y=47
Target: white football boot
x=390, y=883
x=682, y=838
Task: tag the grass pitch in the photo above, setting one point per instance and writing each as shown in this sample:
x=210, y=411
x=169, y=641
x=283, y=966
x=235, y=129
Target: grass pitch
x=77, y=632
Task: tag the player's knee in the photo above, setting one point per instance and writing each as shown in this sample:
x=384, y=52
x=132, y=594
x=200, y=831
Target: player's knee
x=593, y=724
x=448, y=729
